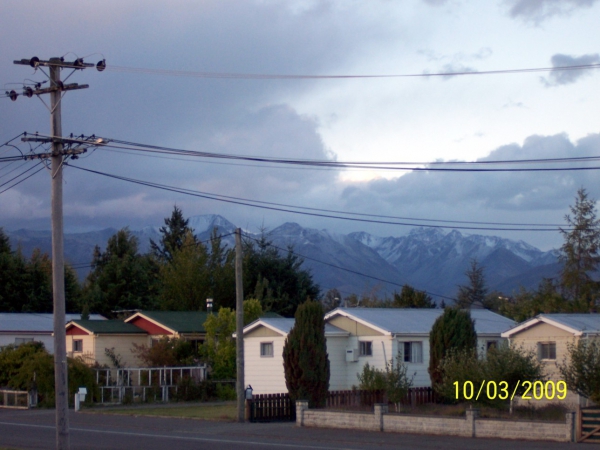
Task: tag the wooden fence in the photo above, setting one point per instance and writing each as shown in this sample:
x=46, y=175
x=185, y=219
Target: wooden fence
x=589, y=425
x=271, y=408
x=279, y=407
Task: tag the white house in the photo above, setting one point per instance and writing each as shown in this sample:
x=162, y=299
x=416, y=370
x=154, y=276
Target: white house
x=17, y=328
x=356, y=336
x=263, y=354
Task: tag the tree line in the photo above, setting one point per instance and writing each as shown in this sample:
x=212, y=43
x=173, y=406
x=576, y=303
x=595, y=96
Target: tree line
x=178, y=274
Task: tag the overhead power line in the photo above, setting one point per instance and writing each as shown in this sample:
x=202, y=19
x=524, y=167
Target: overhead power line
x=264, y=76
x=298, y=210
x=355, y=272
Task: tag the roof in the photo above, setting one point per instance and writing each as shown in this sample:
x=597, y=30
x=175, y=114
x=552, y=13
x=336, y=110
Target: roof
x=106, y=327
x=283, y=325
x=177, y=321
x=35, y=322
x=577, y=324
x=419, y=321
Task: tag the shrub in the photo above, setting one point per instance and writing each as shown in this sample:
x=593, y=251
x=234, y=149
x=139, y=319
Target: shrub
x=581, y=371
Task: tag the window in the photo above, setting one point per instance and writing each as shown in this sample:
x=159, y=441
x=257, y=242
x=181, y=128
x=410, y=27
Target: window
x=366, y=348
x=19, y=341
x=266, y=349
x=491, y=344
x=547, y=350
x=411, y=352
x=77, y=345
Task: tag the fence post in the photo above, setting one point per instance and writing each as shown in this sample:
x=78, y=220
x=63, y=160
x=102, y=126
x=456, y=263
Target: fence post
x=571, y=435
x=380, y=409
x=301, y=406
x=472, y=415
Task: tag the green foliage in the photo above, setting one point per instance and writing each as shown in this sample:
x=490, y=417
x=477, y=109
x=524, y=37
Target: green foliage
x=305, y=360
x=331, y=300
x=287, y=286
x=29, y=365
x=169, y=352
x=454, y=329
x=393, y=380
x=526, y=304
x=512, y=365
x=116, y=360
x=581, y=369
x=371, y=379
x=189, y=389
x=226, y=392
x=122, y=279
x=174, y=235
x=219, y=348
x=474, y=292
x=409, y=297
x=26, y=284
x=580, y=253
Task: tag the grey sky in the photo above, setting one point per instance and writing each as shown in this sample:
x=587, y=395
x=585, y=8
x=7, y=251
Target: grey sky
x=408, y=119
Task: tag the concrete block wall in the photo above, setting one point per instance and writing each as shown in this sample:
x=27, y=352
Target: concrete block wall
x=469, y=426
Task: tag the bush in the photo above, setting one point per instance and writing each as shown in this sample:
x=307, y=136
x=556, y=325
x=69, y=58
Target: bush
x=501, y=365
x=226, y=392
x=581, y=371
x=393, y=381
x=188, y=389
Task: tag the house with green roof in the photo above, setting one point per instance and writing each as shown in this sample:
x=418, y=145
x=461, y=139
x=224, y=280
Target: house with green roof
x=89, y=339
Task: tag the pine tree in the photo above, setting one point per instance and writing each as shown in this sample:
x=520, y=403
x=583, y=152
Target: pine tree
x=173, y=235
x=580, y=253
x=454, y=329
x=476, y=290
x=305, y=359
x=409, y=297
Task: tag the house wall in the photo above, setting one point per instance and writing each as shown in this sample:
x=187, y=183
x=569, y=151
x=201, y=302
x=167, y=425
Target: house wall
x=87, y=351
x=336, y=351
x=46, y=339
x=382, y=351
x=543, y=332
x=123, y=346
x=265, y=374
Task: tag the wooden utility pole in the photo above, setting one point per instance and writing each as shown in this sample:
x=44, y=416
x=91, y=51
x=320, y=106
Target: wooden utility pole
x=239, y=325
x=57, y=155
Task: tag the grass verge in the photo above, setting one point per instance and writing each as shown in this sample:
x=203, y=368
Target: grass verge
x=225, y=411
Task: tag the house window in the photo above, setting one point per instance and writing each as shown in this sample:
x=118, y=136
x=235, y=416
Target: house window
x=77, y=345
x=366, y=348
x=411, y=352
x=266, y=349
x=19, y=341
x=491, y=344
x=547, y=350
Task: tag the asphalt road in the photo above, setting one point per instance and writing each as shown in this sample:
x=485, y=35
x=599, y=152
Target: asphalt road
x=34, y=429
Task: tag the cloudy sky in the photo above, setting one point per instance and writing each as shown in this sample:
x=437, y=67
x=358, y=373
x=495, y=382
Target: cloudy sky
x=504, y=116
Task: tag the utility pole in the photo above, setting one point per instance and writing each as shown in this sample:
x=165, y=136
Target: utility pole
x=55, y=89
x=239, y=326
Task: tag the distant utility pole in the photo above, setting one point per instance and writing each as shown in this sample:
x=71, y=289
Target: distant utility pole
x=55, y=89
x=239, y=325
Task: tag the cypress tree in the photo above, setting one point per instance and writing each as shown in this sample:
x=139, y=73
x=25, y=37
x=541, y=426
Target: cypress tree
x=452, y=330
x=305, y=360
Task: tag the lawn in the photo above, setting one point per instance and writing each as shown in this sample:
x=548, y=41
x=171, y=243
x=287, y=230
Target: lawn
x=211, y=411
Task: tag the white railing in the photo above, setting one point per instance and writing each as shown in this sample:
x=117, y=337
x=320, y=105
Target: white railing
x=142, y=382
x=17, y=399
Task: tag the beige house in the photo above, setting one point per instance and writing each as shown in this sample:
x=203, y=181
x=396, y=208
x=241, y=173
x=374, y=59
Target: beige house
x=89, y=339
x=548, y=335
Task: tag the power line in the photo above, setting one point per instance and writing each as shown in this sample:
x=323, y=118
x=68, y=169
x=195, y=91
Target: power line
x=274, y=207
x=258, y=76
x=355, y=272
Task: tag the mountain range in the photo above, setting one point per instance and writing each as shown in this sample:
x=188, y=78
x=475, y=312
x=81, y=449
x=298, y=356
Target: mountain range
x=430, y=259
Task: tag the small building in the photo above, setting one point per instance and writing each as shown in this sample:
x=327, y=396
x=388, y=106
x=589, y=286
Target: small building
x=548, y=336
x=17, y=328
x=188, y=325
x=355, y=337
x=93, y=340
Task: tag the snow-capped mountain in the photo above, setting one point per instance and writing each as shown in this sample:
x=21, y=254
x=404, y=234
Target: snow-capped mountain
x=429, y=259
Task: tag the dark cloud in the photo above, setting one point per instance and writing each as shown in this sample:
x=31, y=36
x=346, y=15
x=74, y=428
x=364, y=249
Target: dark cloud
x=539, y=10
x=561, y=77
x=511, y=192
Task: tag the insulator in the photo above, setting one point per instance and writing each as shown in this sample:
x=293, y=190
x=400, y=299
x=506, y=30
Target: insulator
x=27, y=92
x=34, y=62
x=78, y=62
x=13, y=95
x=101, y=65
